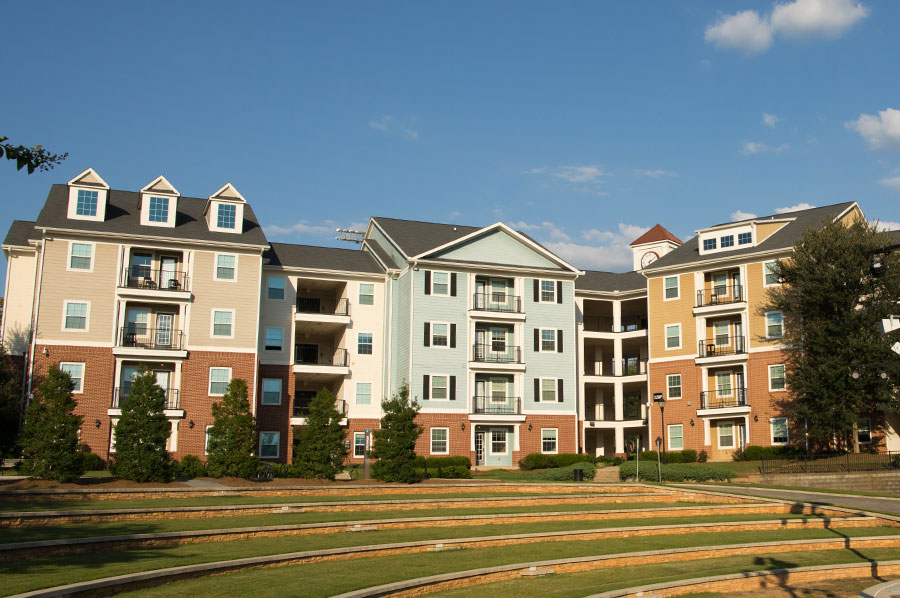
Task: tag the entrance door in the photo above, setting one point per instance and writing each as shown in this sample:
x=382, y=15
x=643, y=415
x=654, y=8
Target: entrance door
x=140, y=267
x=168, y=278
x=499, y=296
x=739, y=388
x=164, y=330
x=479, y=447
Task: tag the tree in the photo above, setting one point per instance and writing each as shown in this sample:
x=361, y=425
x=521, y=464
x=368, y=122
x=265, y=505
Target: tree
x=34, y=157
x=10, y=402
x=50, y=434
x=232, y=437
x=142, y=432
x=832, y=306
x=395, y=442
x=320, y=452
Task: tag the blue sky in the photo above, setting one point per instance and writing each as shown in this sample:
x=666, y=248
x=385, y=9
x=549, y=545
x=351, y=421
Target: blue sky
x=581, y=123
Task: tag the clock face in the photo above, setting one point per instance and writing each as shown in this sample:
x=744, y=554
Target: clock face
x=648, y=258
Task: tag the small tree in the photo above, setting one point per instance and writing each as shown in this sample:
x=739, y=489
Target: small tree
x=320, y=452
x=50, y=434
x=232, y=437
x=10, y=401
x=395, y=442
x=142, y=431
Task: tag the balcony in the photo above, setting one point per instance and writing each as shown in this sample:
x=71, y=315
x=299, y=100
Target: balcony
x=721, y=348
x=497, y=405
x=497, y=302
x=121, y=394
x=721, y=294
x=301, y=407
x=732, y=400
x=630, y=366
x=320, y=366
x=607, y=324
x=602, y=415
x=140, y=340
x=155, y=280
x=322, y=315
x=318, y=305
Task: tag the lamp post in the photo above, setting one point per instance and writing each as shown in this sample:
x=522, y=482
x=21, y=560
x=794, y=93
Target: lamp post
x=659, y=399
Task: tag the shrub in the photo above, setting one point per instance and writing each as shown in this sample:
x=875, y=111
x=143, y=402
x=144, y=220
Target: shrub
x=609, y=460
x=564, y=474
x=395, y=440
x=542, y=461
x=756, y=453
x=190, y=467
x=455, y=472
x=91, y=461
x=676, y=472
x=232, y=437
x=703, y=457
x=142, y=432
x=320, y=449
x=688, y=456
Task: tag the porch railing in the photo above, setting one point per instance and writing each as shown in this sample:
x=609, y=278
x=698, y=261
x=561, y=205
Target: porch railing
x=301, y=406
x=720, y=294
x=716, y=399
x=495, y=353
x=150, y=338
x=138, y=277
x=607, y=324
x=502, y=302
x=312, y=356
x=721, y=345
x=494, y=405
x=833, y=463
x=317, y=305
x=121, y=394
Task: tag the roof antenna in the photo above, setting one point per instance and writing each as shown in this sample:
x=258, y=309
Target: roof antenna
x=350, y=235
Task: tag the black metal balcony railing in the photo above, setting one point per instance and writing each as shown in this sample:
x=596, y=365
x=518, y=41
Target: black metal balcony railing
x=495, y=405
x=724, y=398
x=503, y=302
x=496, y=353
x=312, y=356
x=721, y=345
x=150, y=338
x=317, y=305
x=631, y=366
x=120, y=396
x=607, y=324
x=720, y=294
x=139, y=277
x=632, y=408
x=301, y=406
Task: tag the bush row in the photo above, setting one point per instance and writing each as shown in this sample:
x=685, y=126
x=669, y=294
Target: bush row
x=542, y=461
x=677, y=472
x=565, y=474
x=755, y=453
x=685, y=456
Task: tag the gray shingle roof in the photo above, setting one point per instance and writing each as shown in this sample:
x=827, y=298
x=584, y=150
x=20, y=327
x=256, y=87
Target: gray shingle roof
x=20, y=232
x=609, y=282
x=123, y=216
x=321, y=258
x=783, y=239
x=415, y=237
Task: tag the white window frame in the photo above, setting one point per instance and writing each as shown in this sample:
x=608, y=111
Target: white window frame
x=716, y=336
x=859, y=428
x=216, y=267
x=210, y=383
x=505, y=442
x=555, y=441
x=358, y=394
x=722, y=240
x=164, y=198
x=431, y=387
x=733, y=435
x=446, y=441
x=74, y=211
x=80, y=389
x=212, y=323
x=677, y=280
x=263, y=391
x=72, y=244
x=783, y=377
x=765, y=272
x=541, y=291
x=541, y=332
x=206, y=440
x=670, y=386
x=269, y=287
x=666, y=337
x=787, y=433
x=215, y=218
x=364, y=447
x=711, y=242
x=669, y=429
x=371, y=343
x=555, y=398
x=730, y=384
x=738, y=239
x=277, y=444
x=87, y=316
x=434, y=336
x=767, y=314
x=434, y=283
x=266, y=339
x=490, y=384
x=360, y=293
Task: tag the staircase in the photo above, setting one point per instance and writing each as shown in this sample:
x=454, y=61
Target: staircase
x=607, y=475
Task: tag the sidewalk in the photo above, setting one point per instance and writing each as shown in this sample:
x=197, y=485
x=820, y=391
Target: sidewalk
x=868, y=503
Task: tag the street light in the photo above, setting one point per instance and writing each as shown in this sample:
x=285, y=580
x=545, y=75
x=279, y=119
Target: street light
x=659, y=399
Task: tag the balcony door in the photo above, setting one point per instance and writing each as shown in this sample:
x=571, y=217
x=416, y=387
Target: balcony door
x=165, y=324
x=129, y=373
x=480, y=292
x=498, y=296
x=168, y=277
x=163, y=378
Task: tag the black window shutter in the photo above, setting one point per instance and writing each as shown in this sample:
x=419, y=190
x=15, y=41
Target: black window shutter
x=559, y=390
x=427, y=334
x=453, y=284
x=537, y=290
x=559, y=291
x=559, y=341
x=426, y=386
x=537, y=340
x=537, y=390
x=427, y=282
x=452, y=336
x=452, y=388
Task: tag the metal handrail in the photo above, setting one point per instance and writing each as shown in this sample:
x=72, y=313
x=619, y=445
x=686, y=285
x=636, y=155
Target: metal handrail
x=720, y=294
x=489, y=353
x=721, y=345
x=150, y=338
x=832, y=463
x=501, y=302
x=317, y=305
x=121, y=395
x=311, y=356
x=711, y=399
x=140, y=277
x=607, y=324
x=490, y=406
x=301, y=406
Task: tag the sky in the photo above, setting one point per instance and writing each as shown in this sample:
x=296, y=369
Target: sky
x=580, y=123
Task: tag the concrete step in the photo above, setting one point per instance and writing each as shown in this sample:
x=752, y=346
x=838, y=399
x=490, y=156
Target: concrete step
x=607, y=474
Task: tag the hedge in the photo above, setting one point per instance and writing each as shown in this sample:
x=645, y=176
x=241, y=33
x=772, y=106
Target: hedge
x=565, y=474
x=676, y=472
x=436, y=462
x=608, y=460
x=685, y=456
x=190, y=467
x=454, y=472
x=755, y=453
x=542, y=461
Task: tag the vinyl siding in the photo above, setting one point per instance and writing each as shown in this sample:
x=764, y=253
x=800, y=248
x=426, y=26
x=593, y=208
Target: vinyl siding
x=242, y=296
x=21, y=273
x=497, y=247
x=767, y=229
x=674, y=311
x=387, y=246
x=277, y=313
x=400, y=331
x=557, y=316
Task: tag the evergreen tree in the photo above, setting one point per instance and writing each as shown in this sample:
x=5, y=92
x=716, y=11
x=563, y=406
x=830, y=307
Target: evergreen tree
x=320, y=452
x=232, y=437
x=142, y=431
x=395, y=442
x=10, y=402
x=50, y=433
x=833, y=305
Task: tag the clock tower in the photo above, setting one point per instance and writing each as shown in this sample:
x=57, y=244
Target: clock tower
x=652, y=245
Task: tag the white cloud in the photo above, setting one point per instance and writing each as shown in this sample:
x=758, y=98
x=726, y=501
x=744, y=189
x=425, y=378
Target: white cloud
x=892, y=182
x=739, y=215
x=302, y=228
x=604, y=250
x=572, y=174
x=811, y=18
x=758, y=147
x=654, y=174
x=382, y=125
x=770, y=120
x=745, y=31
x=883, y=225
x=388, y=124
x=548, y=229
x=879, y=131
x=796, y=208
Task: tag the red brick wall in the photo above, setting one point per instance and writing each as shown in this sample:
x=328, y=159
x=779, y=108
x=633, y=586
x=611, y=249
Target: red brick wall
x=277, y=418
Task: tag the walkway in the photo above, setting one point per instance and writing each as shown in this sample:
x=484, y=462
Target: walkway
x=868, y=503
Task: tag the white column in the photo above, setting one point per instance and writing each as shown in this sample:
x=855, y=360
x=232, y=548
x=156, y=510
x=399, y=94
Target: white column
x=619, y=401
x=617, y=356
x=705, y=431
x=617, y=315
x=620, y=439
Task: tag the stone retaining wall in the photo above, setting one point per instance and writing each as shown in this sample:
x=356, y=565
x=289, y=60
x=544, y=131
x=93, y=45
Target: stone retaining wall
x=884, y=482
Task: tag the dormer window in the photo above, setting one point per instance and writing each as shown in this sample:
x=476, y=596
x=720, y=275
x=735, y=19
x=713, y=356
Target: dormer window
x=745, y=238
x=159, y=203
x=224, y=212
x=226, y=216
x=709, y=244
x=87, y=197
x=727, y=241
x=86, y=203
x=159, y=209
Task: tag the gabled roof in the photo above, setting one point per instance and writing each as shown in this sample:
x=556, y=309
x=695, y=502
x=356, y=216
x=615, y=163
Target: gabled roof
x=160, y=185
x=20, y=232
x=375, y=247
x=289, y=255
x=657, y=233
x=88, y=178
x=414, y=237
x=610, y=282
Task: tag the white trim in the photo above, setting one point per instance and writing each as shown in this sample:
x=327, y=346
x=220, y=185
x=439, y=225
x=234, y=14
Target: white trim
x=105, y=236
x=432, y=284
x=266, y=338
x=541, y=340
x=431, y=378
x=541, y=282
x=846, y=211
x=359, y=293
x=87, y=316
x=262, y=391
x=431, y=450
x=719, y=429
x=216, y=267
x=555, y=451
x=356, y=394
x=431, y=336
x=372, y=344
x=765, y=274
x=283, y=287
x=209, y=391
x=787, y=433
x=731, y=389
x=677, y=296
x=680, y=387
x=277, y=444
x=555, y=390
x=669, y=437
x=148, y=188
x=353, y=448
x=766, y=315
x=69, y=267
x=775, y=365
x=80, y=390
x=212, y=323
x=666, y=337
x=506, y=434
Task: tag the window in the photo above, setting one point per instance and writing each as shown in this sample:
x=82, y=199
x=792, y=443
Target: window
x=709, y=244
x=76, y=373
x=720, y=284
x=864, y=430
x=364, y=343
x=87, y=203
x=275, y=288
x=222, y=321
x=363, y=393
x=676, y=437
x=771, y=278
x=206, y=441
x=80, y=256
x=498, y=340
x=225, y=267
x=548, y=390
x=271, y=391
x=723, y=384
x=273, y=339
x=440, y=444
x=673, y=385
x=359, y=445
x=671, y=284
x=776, y=378
x=218, y=380
x=673, y=336
x=498, y=390
x=140, y=265
x=727, y=241
x=226, y=215
x=548, y=291
x=548, y=440
x=440, y=283
x=439, y=335
x=745, y=238
x=76, y=315
x=548, y=340
x=720, y=332
x=159, y=209
x=498, y=442
x=726, y=435
x=268, y=445
x=366, y=293
x=779, y=430
x=774, y=324
x=439, y=385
